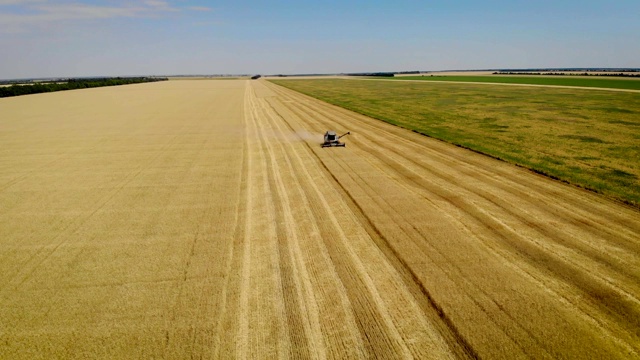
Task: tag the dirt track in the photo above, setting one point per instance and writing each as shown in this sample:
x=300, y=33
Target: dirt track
x=203, y=219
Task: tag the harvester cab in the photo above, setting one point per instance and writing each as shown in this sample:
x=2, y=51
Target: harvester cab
x=332, y=139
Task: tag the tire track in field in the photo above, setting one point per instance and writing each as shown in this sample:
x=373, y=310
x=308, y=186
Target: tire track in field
x=621, y=218
x=243, y=313
x=230, y=294
x=290, y=288
x=232, y=328
x=457, y=344
x=174, y=341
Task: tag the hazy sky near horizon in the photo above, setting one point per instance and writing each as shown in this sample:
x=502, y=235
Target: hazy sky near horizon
x=65, y=38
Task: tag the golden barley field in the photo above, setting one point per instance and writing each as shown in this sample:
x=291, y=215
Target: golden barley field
x=202, y=219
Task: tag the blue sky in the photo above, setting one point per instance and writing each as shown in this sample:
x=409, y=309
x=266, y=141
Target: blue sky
x=47, y=38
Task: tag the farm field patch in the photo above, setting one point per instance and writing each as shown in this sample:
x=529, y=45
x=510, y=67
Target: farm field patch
x=588, y=138
x=202, y=219
x=585, y=81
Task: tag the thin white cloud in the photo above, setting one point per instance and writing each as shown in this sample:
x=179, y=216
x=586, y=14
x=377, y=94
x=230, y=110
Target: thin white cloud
x=209, y=23
x=199, y=8
x=159, y=5
x=37, y=13
x=81, y=11
x=19, y=2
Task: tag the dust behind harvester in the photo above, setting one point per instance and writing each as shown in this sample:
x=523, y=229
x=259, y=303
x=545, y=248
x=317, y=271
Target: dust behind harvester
x=332, y=139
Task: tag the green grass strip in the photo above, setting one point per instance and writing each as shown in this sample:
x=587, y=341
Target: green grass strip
x=593, y=81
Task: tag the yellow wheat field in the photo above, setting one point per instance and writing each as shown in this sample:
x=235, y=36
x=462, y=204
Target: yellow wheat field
x=201, y=219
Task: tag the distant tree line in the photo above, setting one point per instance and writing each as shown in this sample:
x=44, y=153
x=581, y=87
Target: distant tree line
x=71, y=84
x=564, y=74
x=382, y=74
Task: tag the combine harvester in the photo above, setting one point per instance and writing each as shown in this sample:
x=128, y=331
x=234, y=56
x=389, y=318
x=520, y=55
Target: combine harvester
x=331, y=139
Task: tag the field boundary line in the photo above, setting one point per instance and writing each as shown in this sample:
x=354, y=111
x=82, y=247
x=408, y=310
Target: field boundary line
x=243, y=327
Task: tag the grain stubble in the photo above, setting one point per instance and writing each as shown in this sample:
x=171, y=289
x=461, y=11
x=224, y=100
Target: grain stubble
x=226, y=231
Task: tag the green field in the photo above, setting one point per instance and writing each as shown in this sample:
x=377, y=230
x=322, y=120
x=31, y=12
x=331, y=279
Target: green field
x=585, y=137
x=590, y=81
